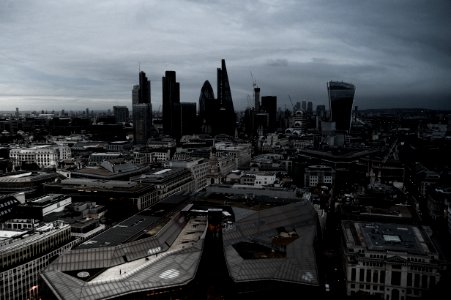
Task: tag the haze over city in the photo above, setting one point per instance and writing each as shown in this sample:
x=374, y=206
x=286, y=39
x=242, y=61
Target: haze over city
x=78, y=54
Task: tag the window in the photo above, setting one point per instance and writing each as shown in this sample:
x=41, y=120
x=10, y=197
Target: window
x=409, y=279
x=353, y=274
x=395, y=278
x=417, y=280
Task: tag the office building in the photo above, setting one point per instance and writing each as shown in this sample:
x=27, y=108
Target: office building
x=388, y=260
x=318, y=175
x=207, y=108
x=341, y=97
x=269, y=105
x=26, y=249
x=142, y=110
x=226, y=113
x=42, y=155
x=171, y=105
x=168, y=181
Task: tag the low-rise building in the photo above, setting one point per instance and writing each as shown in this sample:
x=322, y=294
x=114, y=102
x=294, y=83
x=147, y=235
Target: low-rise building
x=26, y=249
x=27, y=182
x=167, y=182
x=197, y=166
x=43, y=155
x=318, y=175
x=42, y=206
x=241, y=152
x=105, y=192
x=389, y=260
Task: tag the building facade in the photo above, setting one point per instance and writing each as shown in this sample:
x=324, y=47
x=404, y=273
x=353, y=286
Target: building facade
x=341, y=97
x=389, y=260
x=171, y=105
x=142, y=110
x=26, y=252
x=43, y=156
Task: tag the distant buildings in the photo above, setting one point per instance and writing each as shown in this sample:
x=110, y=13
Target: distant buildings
x=217, y=116
x=207, y=108
x=171, y=106
x=142, y=110
x=341, y=97
x=121, y=114
x=269, y=105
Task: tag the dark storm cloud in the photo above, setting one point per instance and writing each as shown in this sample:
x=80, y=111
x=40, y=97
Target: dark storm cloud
x=69, y=54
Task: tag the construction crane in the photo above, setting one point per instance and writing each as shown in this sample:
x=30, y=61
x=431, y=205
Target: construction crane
x=254, y=83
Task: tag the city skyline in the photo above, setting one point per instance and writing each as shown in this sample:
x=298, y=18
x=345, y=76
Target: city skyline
x=66, y=55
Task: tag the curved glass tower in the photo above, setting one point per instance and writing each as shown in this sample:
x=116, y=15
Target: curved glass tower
x=341, y=97
x=207, y=107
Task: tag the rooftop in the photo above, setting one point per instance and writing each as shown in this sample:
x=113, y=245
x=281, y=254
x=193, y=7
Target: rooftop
x=273, y=244
x=388, y=237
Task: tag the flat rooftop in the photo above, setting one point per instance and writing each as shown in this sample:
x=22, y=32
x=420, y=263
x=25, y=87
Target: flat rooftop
x=387, y=237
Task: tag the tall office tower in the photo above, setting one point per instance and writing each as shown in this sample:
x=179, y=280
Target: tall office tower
x=304, y=105
x=226, y=114
x=135, y=94
x=341, y=97
x=189, y=117
x=142, y=110
x=120, y=114
x=257, y=98
x=310, y=107
x=269, y=105
x=207, y=108
x=171, y=105
x=144, y=88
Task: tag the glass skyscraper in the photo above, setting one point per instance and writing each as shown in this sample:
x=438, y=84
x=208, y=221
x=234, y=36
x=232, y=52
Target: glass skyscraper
x=226, y=114
x=142, y=110
x=171, y=105
x=341, y=97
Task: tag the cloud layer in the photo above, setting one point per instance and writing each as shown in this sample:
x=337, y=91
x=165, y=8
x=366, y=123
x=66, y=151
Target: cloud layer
x=78, y=54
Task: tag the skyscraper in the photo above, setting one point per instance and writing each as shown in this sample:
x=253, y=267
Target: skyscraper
x=257, y=98
x=226, y=114
x=341, y=97
x=142, y=110
x=171, y=105
x=207, y=107
x=269, y=105
x=144, y=88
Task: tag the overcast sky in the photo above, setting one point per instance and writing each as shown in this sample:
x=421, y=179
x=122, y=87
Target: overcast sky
x=57, y=54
